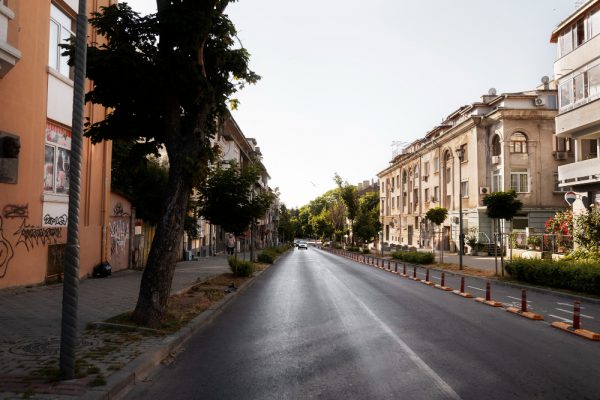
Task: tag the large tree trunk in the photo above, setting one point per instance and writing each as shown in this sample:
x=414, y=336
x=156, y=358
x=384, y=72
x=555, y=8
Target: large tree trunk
x=156, y=281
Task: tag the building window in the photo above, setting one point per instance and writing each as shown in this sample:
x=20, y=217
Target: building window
x=436, y=193
x=496, y=148
x=520, y=222
x=62, y=28
x=497, y=181
x=563, y=144
x=448, y=201
x=518, y=143
x=436, y=164
x=565, y=93
x=465, y=153
x=519, y=180
x=556, y=182
x=464, y=188
x=57, y=159
x=427, y=195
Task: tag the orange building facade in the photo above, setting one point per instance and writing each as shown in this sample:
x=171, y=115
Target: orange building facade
x=36, y=92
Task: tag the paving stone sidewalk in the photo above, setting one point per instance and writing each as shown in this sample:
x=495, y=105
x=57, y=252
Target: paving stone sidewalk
x=30, y=320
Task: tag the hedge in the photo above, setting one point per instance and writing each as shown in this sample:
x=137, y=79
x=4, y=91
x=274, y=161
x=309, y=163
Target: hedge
x=241, y=268
x=417, y=257
x=576, y=276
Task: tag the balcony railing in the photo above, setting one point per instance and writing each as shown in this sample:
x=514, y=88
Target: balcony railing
x=579, y=173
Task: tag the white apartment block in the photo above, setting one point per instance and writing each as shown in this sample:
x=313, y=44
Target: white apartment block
x=577, y=69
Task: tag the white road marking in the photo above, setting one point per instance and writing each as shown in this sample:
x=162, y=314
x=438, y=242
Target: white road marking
x=476, y=288
x=571, y=311
x=561, y=318
x=569, y=305
x=517, y=298
x=422, y=365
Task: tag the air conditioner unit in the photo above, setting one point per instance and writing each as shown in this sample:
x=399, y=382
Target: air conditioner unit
x=495, y=159
x=484, y=190
x=539, y=101
x=560, y=155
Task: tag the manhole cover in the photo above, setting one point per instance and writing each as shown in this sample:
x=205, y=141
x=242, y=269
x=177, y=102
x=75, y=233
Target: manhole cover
x=47, y=346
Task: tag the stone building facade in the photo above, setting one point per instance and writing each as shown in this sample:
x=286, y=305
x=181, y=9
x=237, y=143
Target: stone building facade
x=508, y=143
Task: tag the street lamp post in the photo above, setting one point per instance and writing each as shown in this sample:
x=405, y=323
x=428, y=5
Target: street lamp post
x=461, y=236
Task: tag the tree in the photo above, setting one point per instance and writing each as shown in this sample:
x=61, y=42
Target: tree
x=349, y=196
x=587, y=230
x=502, y=205
x=366, y=224
x=141, y=177
x=438, y=215
x=286, y=228
x=167, y=79
x=227, y=198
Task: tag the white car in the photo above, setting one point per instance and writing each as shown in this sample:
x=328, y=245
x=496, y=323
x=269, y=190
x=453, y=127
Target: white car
x=302, y=245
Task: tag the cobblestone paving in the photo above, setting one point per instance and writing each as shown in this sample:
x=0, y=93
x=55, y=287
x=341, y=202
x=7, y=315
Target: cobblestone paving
x=30, y=329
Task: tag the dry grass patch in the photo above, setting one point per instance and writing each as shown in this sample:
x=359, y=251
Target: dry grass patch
x=466, y=270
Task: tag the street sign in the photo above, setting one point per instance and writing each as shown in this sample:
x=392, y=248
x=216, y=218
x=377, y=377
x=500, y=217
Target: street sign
x=570, y=197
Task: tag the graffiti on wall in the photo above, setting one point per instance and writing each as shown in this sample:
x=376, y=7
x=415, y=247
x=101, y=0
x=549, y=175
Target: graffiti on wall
x=32, y=235
x=6, y=251
x=60, y=220
x=15, y=211
x=119, y=236
x=118, y=211
x=26, y=235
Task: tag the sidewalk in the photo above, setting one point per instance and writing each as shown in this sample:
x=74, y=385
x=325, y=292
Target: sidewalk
x=30, y=322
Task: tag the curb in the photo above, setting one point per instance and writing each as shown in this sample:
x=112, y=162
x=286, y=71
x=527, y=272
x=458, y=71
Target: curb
x=141, y=367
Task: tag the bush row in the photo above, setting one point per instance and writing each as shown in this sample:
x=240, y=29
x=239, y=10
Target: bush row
x=241, y=268
x=269, y=254
x=577, y=276
x=417, y=257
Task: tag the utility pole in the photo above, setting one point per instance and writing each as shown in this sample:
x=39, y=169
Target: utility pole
x=68, y=335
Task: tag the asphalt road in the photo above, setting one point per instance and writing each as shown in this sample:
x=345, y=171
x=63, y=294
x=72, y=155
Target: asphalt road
x=316, y=325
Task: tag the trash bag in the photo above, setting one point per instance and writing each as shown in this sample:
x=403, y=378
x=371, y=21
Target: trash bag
x=102, y=270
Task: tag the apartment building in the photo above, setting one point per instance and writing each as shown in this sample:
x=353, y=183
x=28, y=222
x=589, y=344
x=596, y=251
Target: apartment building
x=577, y=69
x=507, y=142
x=36, y=96
x=234, y=146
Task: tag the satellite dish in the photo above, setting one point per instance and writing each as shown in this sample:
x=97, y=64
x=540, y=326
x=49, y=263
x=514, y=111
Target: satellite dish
x=492, y=92
x=545, y=79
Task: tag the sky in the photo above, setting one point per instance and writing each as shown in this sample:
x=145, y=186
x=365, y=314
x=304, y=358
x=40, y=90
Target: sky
x=342, y=80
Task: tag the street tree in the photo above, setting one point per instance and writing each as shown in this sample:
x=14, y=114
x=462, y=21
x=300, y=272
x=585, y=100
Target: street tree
x=438, y=215
x=366, y=224
x=227, y=198
x=167, y=79
x=502, y=205
x=349, y=196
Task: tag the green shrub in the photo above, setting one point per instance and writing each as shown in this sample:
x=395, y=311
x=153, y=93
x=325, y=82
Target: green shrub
x=579, y=276
x=266, y=257
x=241, y=268
x=366, y=250
x=414, y=257
x=354, y=249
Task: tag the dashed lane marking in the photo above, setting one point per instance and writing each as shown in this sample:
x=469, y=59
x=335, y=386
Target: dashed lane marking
x=476, y=288
x=570, y=311
x=561, y=318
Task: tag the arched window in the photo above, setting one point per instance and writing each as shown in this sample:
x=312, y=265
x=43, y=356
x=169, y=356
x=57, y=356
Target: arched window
x=496, y=148
x=518, y=143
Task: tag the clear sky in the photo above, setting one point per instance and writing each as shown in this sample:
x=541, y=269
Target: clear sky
x=343, y=79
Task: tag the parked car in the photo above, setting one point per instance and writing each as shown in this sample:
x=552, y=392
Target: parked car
x=302, y=245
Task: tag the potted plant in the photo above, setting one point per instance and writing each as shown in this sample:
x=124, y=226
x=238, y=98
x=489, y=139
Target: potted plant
x=534, y=242
x=473, y=244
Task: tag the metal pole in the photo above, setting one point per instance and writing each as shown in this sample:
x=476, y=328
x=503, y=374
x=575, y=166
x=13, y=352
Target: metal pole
x=461, y=235
x=68, y=336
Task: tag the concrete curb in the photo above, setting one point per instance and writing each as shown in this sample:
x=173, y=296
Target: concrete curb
x=119, y=383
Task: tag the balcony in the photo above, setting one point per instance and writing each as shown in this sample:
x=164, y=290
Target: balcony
x=9, y=55
x=579, y=173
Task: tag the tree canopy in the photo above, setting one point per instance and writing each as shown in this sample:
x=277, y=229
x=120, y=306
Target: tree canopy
x=166, y=80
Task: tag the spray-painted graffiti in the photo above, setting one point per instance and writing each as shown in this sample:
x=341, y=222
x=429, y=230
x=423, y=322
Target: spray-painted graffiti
x=118, y=211
x=6, y=252
x=15, y=211
x=60, y=220
x=31, y=235
x=119, y=236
